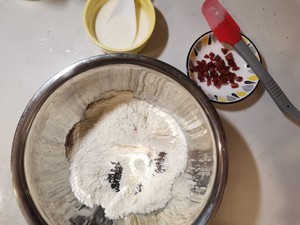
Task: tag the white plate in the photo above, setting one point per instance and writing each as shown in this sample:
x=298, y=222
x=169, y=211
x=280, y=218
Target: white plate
x=226, y=94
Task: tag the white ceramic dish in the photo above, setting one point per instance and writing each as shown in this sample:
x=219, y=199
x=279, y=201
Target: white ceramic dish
x=226, y=94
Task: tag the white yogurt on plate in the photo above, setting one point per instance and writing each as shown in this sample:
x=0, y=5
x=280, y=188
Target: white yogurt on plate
x=116, y=34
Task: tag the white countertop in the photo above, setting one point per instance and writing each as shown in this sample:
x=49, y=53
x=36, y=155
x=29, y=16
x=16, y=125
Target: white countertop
x=40, y=38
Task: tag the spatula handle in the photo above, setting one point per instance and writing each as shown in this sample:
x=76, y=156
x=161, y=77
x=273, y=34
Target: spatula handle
x=271, y=86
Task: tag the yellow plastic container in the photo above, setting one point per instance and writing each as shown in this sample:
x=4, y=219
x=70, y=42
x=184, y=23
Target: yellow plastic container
x=91, y=11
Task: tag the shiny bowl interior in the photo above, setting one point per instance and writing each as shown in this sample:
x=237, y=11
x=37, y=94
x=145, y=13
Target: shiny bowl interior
x=41, y=170
x=90, y=13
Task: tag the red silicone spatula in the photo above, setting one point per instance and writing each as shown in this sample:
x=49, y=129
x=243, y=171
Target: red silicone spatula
x=226, y=30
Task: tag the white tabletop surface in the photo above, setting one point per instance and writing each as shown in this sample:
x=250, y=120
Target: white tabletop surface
x=40, y=38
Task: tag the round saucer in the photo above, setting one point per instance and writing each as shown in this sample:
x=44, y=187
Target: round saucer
x=240, y=84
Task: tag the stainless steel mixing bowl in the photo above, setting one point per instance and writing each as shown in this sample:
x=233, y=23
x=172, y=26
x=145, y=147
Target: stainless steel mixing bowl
x=41, y=171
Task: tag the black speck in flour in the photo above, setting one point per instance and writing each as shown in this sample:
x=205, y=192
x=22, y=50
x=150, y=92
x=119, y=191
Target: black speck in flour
x=160, y=162
x=115, y=175
x=139, y=189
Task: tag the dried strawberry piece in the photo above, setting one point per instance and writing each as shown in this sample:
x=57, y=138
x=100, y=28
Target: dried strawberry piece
x=212, y=69
x=224, y=51
x=213, y=73
x=218, y=85
x=239, y=79
x=231, y=63
x=223, y=79
x=200, y=75
x=230, y=60
x=215, y=79
x=235, y=68
x=234, y=85
x=209, y=82
x=202, y=62
x=220, y=63
x=211, y=55
x=220, y=69
x=225, y=70
x=217, y=58
x=211, y=65
x=201, y=78
x=205, y=74
x=231, y=77
x=229, y=56
x=203, y=69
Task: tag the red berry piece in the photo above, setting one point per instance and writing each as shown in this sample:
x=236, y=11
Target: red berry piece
x=220, y=63
x=211, y=55
x=224, y=51
x=235, y=68
x=239, y=79
x=218, y=85
x=234, y=85
x=229, y=56
x=209, y=82
x=217, y=58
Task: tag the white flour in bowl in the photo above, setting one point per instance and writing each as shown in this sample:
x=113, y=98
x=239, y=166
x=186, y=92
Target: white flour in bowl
x=125, y=156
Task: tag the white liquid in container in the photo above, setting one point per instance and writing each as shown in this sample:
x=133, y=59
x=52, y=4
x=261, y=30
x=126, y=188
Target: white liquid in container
x=116, y=34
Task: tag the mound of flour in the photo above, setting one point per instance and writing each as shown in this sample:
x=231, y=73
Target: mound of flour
x=125, y=156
